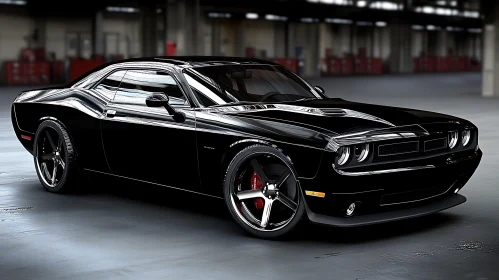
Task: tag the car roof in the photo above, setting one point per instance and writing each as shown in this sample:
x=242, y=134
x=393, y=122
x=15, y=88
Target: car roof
x=199, y=60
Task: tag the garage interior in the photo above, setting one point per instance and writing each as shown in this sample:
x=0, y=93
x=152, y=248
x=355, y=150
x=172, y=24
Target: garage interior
x=436, y=55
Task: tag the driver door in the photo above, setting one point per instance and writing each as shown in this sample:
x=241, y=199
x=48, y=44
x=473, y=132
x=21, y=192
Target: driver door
x=146, y=143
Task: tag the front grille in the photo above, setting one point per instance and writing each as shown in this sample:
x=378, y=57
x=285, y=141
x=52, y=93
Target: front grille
x=414, y=196
x=435, y=144
x=398, y=148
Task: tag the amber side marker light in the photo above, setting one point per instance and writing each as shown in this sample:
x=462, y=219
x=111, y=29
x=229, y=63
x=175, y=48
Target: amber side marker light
x=25, y=137
x=316, y=194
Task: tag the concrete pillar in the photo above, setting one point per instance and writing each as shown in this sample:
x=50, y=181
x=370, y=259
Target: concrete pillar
x=400, y=46
x=188, y=19
x=442, y=46
x=98, y=34
x=280, y=39
x=240, y=39
x=216, y=38
x=290, y=40
x=149, y=31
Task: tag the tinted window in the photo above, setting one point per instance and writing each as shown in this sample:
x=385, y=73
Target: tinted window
x=217, y=85
x=109, y=85
x=137, y=85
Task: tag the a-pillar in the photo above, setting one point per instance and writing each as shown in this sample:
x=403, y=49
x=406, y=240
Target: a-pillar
x=400, y=47
x=490, y=77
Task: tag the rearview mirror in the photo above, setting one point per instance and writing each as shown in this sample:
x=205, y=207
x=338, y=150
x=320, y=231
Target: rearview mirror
x=241, y=75
x=320, y=89
x=162, y=100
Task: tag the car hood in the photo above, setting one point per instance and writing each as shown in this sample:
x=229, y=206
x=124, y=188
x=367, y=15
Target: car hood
x=335, y=115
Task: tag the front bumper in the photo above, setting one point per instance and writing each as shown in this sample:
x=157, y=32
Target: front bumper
x=390, y=216
x=384, y=197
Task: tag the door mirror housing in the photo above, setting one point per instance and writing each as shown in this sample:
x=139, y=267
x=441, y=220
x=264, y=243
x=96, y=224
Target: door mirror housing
x=157, y=100
x=162, y=100
x=320, y=89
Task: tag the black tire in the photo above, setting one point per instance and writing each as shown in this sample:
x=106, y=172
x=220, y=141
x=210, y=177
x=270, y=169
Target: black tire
x=269, y=159
x=64, y=161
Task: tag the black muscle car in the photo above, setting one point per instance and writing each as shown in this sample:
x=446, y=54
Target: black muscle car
x=275, y=148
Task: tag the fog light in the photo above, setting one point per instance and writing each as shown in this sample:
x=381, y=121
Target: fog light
x=453, y=135
x=344, y=155
x=350, y=210
x=466, y=136
x=457, y=190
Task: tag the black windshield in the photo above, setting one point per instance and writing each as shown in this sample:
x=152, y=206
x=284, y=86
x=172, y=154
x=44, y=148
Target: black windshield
x=218, y=85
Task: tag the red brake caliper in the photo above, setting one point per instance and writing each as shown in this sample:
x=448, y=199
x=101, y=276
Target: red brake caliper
x=256, y=184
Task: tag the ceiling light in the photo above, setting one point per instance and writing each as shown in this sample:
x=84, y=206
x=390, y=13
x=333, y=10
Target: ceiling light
x=275, y=17
x=361, y=4
x=338, y=21
x=251, y=15
x=122, y=9
x=13, y=2
x=380, y=24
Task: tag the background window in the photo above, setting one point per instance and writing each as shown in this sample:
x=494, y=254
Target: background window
x=137, y=85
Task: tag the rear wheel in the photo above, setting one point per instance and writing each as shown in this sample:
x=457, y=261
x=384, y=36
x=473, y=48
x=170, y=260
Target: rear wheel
x=262, y=192
x=55, y=158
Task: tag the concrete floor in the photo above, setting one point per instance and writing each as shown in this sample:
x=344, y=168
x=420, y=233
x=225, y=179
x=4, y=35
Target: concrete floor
x=114, y=231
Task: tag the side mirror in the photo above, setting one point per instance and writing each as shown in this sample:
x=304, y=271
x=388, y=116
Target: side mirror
x=320, y=89
x=157, y=100
x=162, y=100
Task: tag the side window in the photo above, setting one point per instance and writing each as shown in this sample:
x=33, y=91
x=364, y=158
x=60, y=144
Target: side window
x=137, y=85
x=109, y=85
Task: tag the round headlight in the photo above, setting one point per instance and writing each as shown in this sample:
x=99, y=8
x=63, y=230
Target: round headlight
x=453, y=135
x=465, y=137
x=362, y=152
x=343, y=155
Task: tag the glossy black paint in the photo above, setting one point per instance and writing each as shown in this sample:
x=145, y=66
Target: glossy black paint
x=193, y=152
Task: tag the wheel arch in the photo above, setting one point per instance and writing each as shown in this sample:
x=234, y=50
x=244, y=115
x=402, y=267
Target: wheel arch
x=239, y=145
x=61, y=123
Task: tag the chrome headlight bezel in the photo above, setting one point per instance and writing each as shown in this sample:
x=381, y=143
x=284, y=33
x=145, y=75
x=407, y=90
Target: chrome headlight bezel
x=343, y=155
x=364, y=153
x=453, y=139
x=466, y=137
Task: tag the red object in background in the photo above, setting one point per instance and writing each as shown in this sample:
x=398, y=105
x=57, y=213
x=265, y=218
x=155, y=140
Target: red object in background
x=78, y=66
x=361, y=66
x=170, y=48
x=27, y=55
x=442, y=64
x=250, y=52
x=334, y=66
x=39, y=54
x=290, y=63
x=27, y=73
x=375, y=66
x=347, y=66
x=57, y=72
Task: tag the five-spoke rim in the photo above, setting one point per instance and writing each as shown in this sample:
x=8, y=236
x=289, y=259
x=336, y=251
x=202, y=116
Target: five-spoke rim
x=279, y=193
x=50, y=157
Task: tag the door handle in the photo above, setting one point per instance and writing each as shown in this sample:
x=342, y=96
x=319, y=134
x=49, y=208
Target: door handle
x=110, y=113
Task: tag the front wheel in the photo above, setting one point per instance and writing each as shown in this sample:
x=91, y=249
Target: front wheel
x=262, y=192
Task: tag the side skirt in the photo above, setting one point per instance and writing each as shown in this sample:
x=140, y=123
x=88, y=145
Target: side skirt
x=152, y=183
